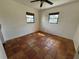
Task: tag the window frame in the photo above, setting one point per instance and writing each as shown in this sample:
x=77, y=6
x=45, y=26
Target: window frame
x=31, y=14
x=55, y=13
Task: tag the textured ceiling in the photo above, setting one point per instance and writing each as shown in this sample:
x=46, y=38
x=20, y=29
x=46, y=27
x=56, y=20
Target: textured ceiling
x=45, y=5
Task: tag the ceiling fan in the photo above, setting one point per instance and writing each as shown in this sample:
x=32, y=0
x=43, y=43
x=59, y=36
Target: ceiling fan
x=42, y=1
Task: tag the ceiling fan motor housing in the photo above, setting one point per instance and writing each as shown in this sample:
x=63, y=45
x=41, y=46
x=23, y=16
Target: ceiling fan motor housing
x=42, y=1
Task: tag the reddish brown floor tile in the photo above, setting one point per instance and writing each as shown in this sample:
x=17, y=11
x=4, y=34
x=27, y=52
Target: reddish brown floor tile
x=39, y=45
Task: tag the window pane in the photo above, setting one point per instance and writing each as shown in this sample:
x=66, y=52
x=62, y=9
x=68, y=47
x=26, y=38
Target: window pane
x=53, y=18
x=30, y=18
x=53, y=21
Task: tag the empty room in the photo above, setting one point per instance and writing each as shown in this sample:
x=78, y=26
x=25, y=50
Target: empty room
x=39, y=29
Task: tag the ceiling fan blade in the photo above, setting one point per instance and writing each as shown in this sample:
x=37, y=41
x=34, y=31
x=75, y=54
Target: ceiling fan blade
x=35, y=1
x=49, y=2
x=41, y=4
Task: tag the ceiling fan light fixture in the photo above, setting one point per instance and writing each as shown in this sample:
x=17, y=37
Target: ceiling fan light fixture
x=42, y=1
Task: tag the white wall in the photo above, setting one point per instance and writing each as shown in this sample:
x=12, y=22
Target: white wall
x=12, y=18
x=76, y=38
x=2, y=52
x=68, y=20
x=77, y=55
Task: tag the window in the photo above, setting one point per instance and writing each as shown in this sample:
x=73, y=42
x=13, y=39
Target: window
x=30, y=17
x=53, y=18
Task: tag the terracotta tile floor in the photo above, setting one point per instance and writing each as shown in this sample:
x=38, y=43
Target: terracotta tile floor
x=39, y=45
